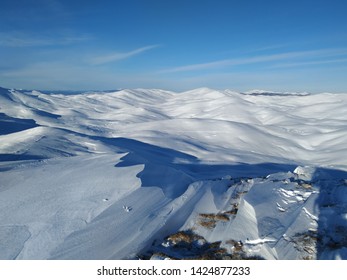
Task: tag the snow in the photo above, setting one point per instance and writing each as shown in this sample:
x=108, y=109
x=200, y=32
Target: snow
x=111, y=175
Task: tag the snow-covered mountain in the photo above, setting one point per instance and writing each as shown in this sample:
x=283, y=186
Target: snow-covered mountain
x=156, y=174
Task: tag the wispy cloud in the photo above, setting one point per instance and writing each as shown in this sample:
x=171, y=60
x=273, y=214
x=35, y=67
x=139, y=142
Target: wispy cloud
x=256, y=59
x=65, y=74
x=19, y=39
x=116, y=56
x=308, y=63
x=58, y=74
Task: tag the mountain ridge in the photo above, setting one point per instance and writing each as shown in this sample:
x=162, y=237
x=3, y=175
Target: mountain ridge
x=148, y=173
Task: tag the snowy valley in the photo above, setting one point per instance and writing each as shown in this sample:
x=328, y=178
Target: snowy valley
x=155, y=174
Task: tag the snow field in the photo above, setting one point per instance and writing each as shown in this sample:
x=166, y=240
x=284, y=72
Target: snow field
x=112, y=175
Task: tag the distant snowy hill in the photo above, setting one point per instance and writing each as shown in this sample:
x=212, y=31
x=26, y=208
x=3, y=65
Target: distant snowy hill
x=149, y=173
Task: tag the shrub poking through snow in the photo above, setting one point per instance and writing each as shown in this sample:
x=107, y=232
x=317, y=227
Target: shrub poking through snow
x=306, y=243
x=184, y=238
x=187, y=245
x=210, y=220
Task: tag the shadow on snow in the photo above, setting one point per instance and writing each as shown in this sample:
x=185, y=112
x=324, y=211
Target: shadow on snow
x=173, y=170
x=10, y=125
x=332, y=218
x=160, y=162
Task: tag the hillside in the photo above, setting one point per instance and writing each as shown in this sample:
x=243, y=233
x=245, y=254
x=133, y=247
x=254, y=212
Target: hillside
x=149, y=173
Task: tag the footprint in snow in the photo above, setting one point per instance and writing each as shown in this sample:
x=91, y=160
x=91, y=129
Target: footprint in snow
x=127, y=208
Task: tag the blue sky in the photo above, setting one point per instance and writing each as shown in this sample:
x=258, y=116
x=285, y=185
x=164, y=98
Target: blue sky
x=175, y=45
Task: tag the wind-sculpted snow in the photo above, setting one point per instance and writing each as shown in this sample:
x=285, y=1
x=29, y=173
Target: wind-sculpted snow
x=156, y=174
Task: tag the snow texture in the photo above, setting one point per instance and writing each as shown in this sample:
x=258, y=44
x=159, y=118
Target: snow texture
x=134, y=173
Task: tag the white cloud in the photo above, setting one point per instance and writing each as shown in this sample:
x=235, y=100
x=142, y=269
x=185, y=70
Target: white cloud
x=308, y=63
x=19, y=39
x=256, y=59
x=116, y=56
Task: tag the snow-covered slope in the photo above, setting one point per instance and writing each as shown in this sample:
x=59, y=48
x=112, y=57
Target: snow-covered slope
x=158, y=174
